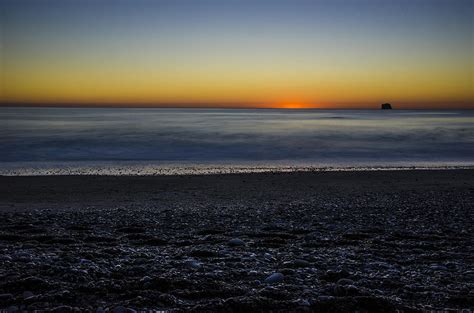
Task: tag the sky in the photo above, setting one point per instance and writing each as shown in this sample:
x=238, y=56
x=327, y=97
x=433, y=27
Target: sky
x=237, y=53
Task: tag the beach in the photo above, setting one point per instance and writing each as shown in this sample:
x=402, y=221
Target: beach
x=342, y=241
x=236, y=156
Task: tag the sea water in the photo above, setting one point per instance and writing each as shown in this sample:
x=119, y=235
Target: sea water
x=162, y=141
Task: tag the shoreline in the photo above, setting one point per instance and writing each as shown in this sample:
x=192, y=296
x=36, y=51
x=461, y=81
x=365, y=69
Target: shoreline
x=136, y=169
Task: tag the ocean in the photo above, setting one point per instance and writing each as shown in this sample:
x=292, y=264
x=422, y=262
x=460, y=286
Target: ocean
x=156, y=140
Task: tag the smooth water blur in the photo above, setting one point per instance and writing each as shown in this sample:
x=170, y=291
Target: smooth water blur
x=310, y=137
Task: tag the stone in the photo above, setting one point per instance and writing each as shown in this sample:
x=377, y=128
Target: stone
x=12, y=309
x=300, y=263
x=333, y=276
x=119, y=309
x=437, y=267
x=5, y=297
x=268, y=257
x=302, y=302
x=62, y=309
x=274, y=278
x=236, y=242
x=145, y=279
x=192, y=264
x=27, y=294
x=345, y=281
x=325, y=298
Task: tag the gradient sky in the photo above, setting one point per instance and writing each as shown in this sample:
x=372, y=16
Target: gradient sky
x=295, y=53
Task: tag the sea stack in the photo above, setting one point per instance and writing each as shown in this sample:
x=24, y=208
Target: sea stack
x=386, y=106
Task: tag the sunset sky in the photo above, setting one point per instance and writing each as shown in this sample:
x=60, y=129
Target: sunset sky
x=238, y=53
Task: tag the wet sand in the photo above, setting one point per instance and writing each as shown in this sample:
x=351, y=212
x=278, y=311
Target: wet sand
x=306, y=241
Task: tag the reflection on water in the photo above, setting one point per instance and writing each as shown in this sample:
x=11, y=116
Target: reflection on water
x=232, y=136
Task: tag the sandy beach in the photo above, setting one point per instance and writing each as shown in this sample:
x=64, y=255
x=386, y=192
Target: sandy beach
x=374, y=241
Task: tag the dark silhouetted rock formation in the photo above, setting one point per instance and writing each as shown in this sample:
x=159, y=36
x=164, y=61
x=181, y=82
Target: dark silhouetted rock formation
x=386, y=106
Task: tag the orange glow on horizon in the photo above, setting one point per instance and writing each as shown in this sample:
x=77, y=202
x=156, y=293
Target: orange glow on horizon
x=295, y=105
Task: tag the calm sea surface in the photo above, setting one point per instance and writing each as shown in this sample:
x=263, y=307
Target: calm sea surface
x=63, y=137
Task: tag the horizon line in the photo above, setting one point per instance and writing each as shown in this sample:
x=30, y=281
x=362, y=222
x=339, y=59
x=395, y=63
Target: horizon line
x=461, y=105
x=223, y=108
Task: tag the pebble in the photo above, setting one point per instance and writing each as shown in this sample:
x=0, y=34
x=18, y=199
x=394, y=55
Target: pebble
x=301, y=263
x=119, y=309
x=332, y=275
x=192, y=264
x=62, y=309
x=345, y=281
x=274, y=278
x=236, y=242
x=145, y=279
x=27, y=294
x=6, y=297
x=469, y=274
x=302, y=302
x=325, y=298
x=268, y=257
x=437, y=267
x=86, y=262
x=12, y=309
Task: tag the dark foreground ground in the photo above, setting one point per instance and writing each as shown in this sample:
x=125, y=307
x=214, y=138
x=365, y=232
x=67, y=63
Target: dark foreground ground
x=342, y=242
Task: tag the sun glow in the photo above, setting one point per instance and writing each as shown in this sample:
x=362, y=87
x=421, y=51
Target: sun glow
x=295, y=105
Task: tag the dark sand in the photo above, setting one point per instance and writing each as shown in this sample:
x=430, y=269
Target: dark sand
x=343, y=241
